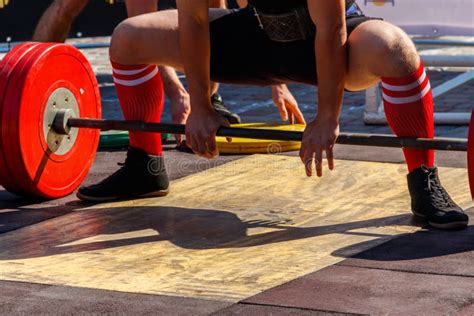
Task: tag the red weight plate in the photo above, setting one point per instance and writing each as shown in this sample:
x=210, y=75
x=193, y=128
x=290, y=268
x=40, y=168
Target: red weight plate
x=14, y=182
x=39, y=171
x=9, y=63
x=470, y=155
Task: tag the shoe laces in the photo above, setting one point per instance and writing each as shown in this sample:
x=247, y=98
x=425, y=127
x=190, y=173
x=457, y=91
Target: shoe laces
x=440, y=198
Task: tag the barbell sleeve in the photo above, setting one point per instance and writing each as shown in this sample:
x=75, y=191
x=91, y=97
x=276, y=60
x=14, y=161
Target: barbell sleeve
x=379, y=140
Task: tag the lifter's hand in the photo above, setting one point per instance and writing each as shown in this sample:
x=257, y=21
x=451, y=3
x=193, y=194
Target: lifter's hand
x=287, y=105
x=320, y=135
x=201, y=130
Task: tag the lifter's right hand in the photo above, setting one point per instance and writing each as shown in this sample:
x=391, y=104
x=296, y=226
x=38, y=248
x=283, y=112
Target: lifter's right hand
x=201, y=129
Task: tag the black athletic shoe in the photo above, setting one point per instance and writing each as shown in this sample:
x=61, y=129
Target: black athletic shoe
x=431, y=201
x=220, y=108
x=141, y=176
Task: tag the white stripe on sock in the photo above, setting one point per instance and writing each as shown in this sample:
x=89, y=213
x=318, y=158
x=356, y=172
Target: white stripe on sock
x=136, y=82
x=407, y=87
x=406, y=100
x=128, y=72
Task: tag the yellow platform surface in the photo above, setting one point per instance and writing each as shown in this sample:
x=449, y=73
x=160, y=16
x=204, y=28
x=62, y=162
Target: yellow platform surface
x=227, y=233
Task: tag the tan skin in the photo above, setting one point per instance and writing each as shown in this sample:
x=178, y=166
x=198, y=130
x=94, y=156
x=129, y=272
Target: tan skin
x=354, y=63
x=330, y=43
x=55, y=23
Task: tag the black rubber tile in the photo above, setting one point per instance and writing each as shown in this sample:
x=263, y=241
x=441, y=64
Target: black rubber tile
x=253, y=309
x=371, y=291
x=429, y=251
x=35, y=299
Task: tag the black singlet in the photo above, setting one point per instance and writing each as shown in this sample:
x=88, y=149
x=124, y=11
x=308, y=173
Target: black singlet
x=279, y=6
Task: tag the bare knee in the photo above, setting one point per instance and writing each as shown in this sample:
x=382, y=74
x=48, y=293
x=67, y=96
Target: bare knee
x=389, y=51
x=123, y=43
x=401, y=55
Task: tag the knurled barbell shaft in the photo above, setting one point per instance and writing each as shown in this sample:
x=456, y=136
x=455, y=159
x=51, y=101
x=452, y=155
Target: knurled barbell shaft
x=451, y=144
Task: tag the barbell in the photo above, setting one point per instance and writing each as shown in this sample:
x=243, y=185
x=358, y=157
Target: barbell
x=51, y=117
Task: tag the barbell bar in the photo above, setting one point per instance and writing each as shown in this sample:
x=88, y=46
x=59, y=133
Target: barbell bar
x=377, y=140
x=50, y=117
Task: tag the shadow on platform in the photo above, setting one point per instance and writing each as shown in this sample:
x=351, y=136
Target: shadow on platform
x=17, y=212
x=96, y=229
x=423, y=244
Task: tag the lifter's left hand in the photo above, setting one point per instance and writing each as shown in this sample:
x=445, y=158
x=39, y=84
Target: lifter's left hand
x=287, y=105
x=319, y=136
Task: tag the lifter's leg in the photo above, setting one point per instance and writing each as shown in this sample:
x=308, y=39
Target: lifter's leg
x=151, y=39
x=55, y=23
x=381, y=51
x=407, y=93
x=138, y=45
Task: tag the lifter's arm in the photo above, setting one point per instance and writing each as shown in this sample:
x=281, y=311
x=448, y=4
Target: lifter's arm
x=330, y=46
x=194, y=42
x=195, y=50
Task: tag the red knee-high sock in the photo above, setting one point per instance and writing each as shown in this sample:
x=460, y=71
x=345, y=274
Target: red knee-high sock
x=140, y=92
x=408, y=104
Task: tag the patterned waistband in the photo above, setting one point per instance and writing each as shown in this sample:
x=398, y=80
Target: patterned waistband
x=352, y=9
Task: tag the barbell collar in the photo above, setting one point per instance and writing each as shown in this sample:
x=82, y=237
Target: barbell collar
x=60, y=122
x=378, y=140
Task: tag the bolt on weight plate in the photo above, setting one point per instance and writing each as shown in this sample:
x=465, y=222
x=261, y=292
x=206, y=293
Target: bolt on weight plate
x=61, y=102
x=41, y=167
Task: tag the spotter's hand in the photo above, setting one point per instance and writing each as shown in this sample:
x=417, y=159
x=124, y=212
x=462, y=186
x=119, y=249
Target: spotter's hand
x=201, y=129
x=319, y=136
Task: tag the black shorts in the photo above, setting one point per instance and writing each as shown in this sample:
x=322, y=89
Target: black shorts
x=242, y=53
